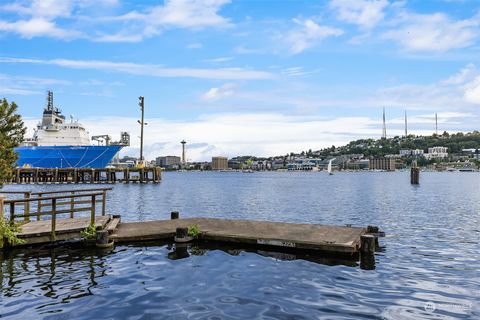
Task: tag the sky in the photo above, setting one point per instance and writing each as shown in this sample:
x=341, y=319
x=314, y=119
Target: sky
x=246, y=77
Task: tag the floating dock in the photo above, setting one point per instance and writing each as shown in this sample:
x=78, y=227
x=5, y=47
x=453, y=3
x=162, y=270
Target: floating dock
x=331, y=239
x=46, y=209
x=84, y=175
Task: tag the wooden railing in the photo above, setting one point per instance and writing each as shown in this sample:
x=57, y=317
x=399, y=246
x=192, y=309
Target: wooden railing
x=53, y=203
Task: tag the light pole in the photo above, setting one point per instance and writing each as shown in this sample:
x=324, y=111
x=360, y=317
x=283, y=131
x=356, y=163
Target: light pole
x=142, y=123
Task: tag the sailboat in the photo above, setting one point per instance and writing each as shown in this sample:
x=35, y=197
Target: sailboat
x=329, y=167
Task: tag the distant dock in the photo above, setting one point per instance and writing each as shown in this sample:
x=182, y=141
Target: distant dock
x=84, y=175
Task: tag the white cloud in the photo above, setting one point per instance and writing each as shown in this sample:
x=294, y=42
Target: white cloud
x=458, y=91
x=218, y=93
x=308, y=33
x=364, y=13
x=189, y=14
x=195, y=46
x=220, y=59
x=433, y=32
x=235, y=133
x=149, y=70
x=472, y=91
x=36, y=27
x=44, y=16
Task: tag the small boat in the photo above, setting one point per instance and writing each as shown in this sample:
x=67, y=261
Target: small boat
x=329, y=167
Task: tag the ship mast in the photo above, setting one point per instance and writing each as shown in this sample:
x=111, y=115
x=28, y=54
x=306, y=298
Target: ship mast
x=49, y=100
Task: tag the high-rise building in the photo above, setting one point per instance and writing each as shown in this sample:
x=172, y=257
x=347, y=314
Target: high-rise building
x=170, y=162
x=387, y=164
x=219, y=163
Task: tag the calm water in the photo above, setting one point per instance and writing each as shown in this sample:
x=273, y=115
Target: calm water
x=429, y=267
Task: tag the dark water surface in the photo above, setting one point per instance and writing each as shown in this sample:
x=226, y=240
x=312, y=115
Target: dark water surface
x=429, y=267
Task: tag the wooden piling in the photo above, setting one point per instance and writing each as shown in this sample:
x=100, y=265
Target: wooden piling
x=174, y=215
x=54, y=219
x=414, y=175
x=181, y=235
x=75, y=175
x=367, y=251
x=2, y=199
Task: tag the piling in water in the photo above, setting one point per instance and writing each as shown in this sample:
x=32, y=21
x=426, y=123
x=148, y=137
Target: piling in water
x=174, y=215
x=414, y=175
x=367, y=251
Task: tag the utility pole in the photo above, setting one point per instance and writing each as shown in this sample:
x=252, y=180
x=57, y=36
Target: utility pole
x=406, y=124
x=142, y=123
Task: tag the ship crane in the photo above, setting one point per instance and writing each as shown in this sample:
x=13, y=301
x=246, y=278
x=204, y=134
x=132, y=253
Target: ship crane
x=103, y=137
x=124, y=139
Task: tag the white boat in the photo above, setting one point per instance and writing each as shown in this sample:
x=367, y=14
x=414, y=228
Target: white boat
x=329, y=167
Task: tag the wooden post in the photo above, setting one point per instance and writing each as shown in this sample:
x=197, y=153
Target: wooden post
x=54, y=218
x=92, y=175
x=26, y=207
x=102, y=237
x=72, y=204
x=2, y=199
x=127, y=175
x=181, y=235
x=141, y=172
x=12, y=211
x=55, y=180
x=367, y=252
x=75, y=175
x=414, y=175
x=174, y=215
x=17, y=178
x=39, y=206
x=104, y=202
x=92, y=216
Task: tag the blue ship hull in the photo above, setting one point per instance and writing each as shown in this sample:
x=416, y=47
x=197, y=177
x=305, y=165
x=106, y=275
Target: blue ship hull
x=66, y=156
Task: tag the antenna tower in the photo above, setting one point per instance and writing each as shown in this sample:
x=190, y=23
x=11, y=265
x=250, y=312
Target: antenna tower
x=384, y=132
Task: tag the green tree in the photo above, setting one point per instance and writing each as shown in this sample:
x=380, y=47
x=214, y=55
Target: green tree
x=12, y=131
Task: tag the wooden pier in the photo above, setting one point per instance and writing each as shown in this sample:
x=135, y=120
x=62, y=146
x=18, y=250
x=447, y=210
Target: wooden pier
x=314, y=237
x=277, y=236
x=86, y=175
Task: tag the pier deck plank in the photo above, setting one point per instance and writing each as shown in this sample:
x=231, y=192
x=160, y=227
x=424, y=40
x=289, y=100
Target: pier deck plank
x=37, y=229
x=301, y=236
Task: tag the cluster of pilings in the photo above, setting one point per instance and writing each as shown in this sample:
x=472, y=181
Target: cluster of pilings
x=84, y=175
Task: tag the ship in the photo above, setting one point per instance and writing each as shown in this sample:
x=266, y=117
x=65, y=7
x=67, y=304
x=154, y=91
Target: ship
x=57, y=143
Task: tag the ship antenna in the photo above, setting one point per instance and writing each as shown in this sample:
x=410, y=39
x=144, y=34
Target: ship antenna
x=49, y=100
x=384, y=133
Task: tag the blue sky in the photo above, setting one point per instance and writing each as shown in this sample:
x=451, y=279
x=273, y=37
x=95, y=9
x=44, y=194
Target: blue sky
x=245, y=77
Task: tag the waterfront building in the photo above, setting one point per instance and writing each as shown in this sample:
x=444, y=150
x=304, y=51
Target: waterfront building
x=387, y=164
x=411, y=153
x=219, y=163
x=169, y=162
x=437, y=153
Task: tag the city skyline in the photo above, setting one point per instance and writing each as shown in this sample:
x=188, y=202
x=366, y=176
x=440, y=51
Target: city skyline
x=233, y=77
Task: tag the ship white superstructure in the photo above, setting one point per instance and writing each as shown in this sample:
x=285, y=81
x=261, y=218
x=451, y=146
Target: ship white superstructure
x=53, y=131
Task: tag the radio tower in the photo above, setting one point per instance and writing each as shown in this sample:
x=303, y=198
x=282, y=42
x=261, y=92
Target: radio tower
x=183, y=142
x=384, y=133
x=406, y=134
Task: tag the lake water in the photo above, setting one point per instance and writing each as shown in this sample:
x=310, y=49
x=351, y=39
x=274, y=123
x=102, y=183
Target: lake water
x=429, y=266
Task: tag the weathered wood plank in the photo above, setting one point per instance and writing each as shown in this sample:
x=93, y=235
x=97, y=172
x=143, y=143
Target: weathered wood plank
x=262, y=233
